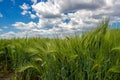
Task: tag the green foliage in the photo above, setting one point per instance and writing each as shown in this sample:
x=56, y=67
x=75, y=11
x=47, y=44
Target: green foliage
x=93, y=56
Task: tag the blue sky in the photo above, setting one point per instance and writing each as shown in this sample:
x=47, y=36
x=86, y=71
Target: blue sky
x=11, y=12
x=20, y=18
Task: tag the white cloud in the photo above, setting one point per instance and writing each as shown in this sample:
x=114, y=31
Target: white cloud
x=25, y=6
x=48, y=23
x=55, y=7
x=25, y=26
x=70, y=5
x=51, y=14
x=24, y=12
x=46, y=9
x=7, y=35
x=82, y=14
x=32, y=16
x=1, y=15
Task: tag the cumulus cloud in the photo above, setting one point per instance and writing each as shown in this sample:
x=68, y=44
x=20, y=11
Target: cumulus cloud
x=24, y=26
x=81, y=13
x=32, y=16
x=7, y=35
x=25, y=7
x=55, y=7
x=46, y=9
x=24, y=12
x=70, y=5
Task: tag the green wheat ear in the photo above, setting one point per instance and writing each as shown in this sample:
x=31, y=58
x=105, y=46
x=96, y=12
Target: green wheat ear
x=116, y=48
x=115, y=69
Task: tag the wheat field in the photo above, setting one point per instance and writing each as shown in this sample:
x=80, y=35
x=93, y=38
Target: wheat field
x=95, y=55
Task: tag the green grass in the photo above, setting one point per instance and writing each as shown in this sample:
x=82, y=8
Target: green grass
x=93, y=56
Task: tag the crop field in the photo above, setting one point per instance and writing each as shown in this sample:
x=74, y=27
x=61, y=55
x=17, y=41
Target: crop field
x=95, y=55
